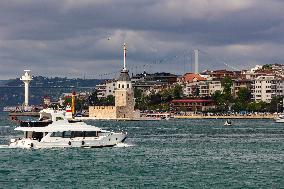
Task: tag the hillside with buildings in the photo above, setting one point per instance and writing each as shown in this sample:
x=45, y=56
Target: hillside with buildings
x=258, y=89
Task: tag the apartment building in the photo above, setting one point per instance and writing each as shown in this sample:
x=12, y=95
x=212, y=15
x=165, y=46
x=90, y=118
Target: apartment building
x=215, y=85
x=265, y=87
x=196, y=89
x=240, y=83
x=106, y=89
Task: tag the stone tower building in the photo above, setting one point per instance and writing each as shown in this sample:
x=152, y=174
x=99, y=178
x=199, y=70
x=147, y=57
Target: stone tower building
x=124, y=99
x=124, y=96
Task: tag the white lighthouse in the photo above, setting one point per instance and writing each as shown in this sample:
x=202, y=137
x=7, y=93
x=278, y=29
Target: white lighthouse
x=26, y=78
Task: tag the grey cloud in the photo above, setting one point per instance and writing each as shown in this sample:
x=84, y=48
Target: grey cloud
x=71, y=36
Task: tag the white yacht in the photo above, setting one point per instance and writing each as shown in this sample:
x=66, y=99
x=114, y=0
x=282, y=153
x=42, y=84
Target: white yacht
x=280, y=119
x=62, y=133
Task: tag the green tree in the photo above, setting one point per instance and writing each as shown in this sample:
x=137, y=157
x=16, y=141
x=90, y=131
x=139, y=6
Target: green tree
x=244, y=95
x=227, y=95
x=79, y=104
x=138, y=93
x=93, y=98
x=196, y=91
x=242, y=100
x=155, y=99
x=110, y=100
x=267, y=67
x=276, y=104
x=177, y=92
x=167, y=95
x=258, y=106
x=219, y=100
x=227, y=85
x=67, y=100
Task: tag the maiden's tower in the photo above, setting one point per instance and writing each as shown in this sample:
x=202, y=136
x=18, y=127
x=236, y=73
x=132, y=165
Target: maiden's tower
x=124, y=99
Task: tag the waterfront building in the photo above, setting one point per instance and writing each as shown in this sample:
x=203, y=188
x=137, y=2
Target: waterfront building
x=265, y=87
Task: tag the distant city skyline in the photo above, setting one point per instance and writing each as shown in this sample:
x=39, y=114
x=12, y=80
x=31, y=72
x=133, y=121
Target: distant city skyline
x=84, y=38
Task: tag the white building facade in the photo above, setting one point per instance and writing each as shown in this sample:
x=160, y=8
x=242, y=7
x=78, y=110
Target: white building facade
x=106, y=89
x=202, y=88
x=264, y=88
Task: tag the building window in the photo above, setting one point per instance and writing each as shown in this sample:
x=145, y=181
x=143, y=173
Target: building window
x=127, y=85
x=122, y=86
x=118, y=85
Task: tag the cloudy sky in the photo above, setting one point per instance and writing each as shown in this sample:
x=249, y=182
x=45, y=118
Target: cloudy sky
x=74, y=38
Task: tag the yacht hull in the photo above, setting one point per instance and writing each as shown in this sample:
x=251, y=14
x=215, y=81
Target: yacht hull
x=279, y=121
x=92, y=142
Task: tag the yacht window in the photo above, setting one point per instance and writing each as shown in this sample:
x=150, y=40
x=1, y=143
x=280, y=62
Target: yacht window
x=91, y=134
x=67, y=134
x=78, y=134
x=37, y=136
x=56, y=134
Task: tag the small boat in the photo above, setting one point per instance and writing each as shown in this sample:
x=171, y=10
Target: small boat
x=227, y=123
x=280, y=119
x=62, y=133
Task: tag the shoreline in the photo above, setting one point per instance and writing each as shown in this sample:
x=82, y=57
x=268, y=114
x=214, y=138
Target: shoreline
x=226, y=117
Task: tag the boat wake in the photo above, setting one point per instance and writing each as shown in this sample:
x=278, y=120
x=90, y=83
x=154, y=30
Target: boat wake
x=5, y=146
x=123, y=145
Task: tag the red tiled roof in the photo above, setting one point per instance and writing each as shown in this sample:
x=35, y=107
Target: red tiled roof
x=192, y=76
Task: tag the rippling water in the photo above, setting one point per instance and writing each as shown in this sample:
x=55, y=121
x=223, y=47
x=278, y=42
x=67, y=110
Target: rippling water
x=161, y=154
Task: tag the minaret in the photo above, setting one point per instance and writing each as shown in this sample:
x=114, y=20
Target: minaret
x=26, y=78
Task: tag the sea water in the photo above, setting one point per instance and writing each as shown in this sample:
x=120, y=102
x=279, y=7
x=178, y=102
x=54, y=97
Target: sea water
x=179, y=153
